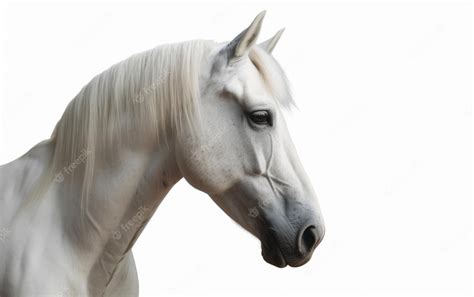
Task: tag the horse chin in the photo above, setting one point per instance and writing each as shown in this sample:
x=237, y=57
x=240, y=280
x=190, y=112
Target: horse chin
x=274, y=257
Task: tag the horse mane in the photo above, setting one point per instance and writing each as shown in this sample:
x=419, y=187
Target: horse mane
x=154, y=91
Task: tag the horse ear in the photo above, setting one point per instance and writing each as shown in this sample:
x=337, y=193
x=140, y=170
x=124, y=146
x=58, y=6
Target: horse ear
x=270, y=44
x=245, y=40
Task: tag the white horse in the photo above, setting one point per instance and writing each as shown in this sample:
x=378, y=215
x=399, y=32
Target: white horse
x=74, y=205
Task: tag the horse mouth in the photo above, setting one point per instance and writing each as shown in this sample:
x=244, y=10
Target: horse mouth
x=273, y=256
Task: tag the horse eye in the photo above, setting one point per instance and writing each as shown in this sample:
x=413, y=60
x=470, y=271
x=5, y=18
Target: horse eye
x=261, y=117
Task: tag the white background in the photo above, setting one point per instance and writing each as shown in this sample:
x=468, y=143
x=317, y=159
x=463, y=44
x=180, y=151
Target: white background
x=383, y=127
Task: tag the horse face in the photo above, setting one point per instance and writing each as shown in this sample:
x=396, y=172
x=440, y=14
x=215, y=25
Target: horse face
x=243, y=157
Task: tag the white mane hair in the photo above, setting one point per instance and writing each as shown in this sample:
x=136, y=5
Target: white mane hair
x=154, y=91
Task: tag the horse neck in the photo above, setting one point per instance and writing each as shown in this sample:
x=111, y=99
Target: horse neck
x=127, y=188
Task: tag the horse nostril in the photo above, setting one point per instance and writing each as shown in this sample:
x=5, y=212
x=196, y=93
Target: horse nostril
x=309, y=240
